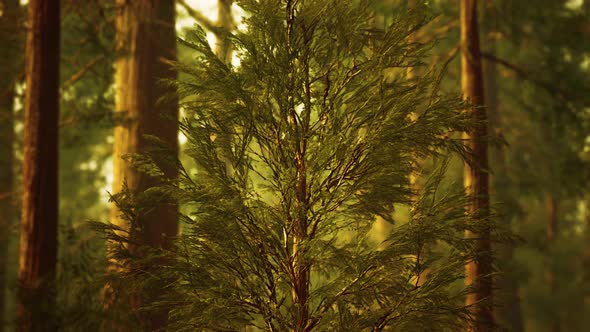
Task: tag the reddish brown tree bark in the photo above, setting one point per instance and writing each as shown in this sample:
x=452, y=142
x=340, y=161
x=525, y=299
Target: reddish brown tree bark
x=300, y=278
x=146, y=39
x=476, y=178
x=39, y=218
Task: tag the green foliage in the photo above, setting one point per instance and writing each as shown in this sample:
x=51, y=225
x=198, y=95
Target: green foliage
x=87, y=102
x=297, y=151
x=80, y=279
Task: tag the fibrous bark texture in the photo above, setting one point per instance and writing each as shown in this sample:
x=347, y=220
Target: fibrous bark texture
x=146, y=40
x=476, y=179
x=39, y=218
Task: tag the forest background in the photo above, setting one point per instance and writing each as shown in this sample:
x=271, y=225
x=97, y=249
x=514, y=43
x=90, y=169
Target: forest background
x=536, y=60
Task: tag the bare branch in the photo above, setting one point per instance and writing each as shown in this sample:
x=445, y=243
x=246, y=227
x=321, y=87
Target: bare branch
x=426, y=36
x=80, y=73
x=199, y=17
x=450, y=56
x=523, y=74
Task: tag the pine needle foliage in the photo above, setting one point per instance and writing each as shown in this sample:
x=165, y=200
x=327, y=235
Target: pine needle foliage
x=298, y=150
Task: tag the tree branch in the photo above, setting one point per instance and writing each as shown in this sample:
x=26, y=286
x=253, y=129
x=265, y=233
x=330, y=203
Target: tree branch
x=199, y=17
x=80, y=73
x=523, y=74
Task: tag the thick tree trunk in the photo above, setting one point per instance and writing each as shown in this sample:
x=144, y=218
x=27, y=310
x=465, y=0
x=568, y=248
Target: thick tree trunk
x=146, y=38
x=39, y=219
x=476, y=172
x=9, y=39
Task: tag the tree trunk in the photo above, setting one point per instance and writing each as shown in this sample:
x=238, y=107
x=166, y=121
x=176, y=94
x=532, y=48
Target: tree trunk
x=39, y=219
x=9, y=40
x=508, y=312
x=411, y=71
x=224, y=51
x=476, y=171
x=299, y=228
x=552, y=232
x=223, y=47
x=146, y=37
x=6, y=184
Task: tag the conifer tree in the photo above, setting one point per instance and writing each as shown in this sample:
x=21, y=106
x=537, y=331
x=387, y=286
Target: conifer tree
x=316, y=125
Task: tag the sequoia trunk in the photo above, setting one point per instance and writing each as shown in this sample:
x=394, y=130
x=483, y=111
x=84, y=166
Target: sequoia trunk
x=146, y=39
x=476, y=171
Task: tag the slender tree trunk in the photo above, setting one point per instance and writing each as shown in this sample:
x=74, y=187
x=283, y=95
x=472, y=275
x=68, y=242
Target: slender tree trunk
x=146, y=37
x=223, y=48
x=411, y=71
x=552, y=233
x=381, y=227
x=39, y=218
x=224, y=51
x=476, y=172
x=9, y=40
x=6, y=186
x=299, y=229
x=414, y=177
x=507, y=312
x=410, y=76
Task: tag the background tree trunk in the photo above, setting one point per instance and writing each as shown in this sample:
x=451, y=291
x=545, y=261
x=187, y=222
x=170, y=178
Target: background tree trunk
x=552, y=234
x=507, y=313
x=224, y=51
x=9, y=39
x=223, y=47
x=146, y=38
x=476, y=172
x=39, y=219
